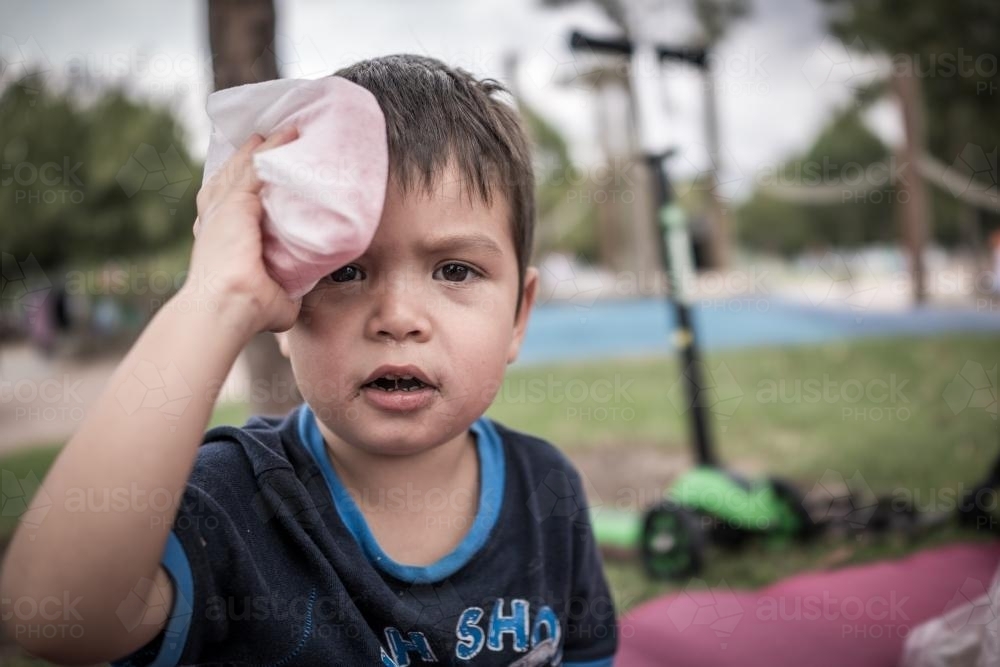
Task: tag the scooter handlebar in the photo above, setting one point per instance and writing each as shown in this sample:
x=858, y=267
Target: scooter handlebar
x=624, y=47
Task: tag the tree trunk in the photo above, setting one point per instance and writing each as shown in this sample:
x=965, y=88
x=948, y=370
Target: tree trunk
x=241, y=37
x=718, y=222
x=911, y=190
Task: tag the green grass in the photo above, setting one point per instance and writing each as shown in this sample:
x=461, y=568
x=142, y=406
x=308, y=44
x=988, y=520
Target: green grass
x=917, y=439
x=25, y=466
x=230, y=413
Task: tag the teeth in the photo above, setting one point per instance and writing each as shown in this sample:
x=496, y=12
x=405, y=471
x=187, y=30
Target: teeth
x=390, y=376
x=391, y=382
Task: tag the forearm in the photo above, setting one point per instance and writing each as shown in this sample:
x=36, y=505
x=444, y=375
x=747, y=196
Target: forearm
x=112, y=493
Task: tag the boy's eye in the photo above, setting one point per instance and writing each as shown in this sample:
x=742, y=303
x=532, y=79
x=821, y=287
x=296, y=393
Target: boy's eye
x=455, y=273
x=346, y=274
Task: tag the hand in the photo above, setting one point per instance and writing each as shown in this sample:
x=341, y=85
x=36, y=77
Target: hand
x=227, y=263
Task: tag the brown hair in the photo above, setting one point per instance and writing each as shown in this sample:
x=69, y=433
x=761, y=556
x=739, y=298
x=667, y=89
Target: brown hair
x=435, y=113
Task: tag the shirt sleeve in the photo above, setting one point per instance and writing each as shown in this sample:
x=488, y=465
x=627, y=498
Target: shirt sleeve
x=592, y=629
x=167, y=646
x=208, y=537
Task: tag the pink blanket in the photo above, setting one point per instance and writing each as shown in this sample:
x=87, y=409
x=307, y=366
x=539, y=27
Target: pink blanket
x=851, y=617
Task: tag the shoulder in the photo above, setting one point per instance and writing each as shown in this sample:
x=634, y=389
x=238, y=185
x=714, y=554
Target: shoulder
x=263, y=443
x=234, y=462
x=546, y=472
x=531, y=449
x=248, y=476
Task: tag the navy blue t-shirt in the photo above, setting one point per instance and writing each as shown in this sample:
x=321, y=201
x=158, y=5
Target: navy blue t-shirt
x=273, y=563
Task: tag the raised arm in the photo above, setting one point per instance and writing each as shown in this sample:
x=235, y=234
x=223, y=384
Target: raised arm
x=91, y=559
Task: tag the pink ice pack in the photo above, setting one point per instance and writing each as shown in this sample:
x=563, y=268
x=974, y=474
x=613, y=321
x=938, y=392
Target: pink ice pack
x=323, y=192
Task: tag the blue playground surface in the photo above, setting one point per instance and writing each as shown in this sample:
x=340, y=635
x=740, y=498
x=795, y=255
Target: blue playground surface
x=641, y=327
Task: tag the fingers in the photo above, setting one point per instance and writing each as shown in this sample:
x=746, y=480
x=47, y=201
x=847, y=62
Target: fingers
x=245, y=176
x=226, y=175
x=241, y=175
x=277, y=139
x=238, y=173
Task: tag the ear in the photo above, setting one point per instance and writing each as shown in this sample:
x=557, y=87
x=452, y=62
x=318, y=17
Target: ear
x=521, y=322
x=282, y=339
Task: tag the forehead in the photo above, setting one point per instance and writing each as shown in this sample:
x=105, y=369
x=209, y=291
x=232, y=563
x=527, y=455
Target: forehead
x=448, y=205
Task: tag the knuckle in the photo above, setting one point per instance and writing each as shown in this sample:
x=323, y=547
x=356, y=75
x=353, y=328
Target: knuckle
x=202, y=199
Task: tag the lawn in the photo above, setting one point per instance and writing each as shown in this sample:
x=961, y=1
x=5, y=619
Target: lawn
x=877, y=406
x=908, y=415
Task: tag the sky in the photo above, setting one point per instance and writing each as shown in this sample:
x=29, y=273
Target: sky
x=779, y=77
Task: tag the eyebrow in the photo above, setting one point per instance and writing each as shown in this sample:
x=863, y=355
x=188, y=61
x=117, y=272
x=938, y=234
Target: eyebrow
x=462, y=242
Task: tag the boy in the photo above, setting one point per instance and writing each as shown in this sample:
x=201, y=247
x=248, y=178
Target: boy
x=385, y=521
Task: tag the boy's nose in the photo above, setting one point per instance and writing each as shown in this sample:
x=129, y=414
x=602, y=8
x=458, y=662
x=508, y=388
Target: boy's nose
x=399, y=312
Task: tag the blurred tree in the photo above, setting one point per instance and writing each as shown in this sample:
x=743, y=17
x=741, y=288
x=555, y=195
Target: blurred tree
x=111, y=179
x=565, y=223
x=845, y=160
x=944, y=67
x=955, y=53
x=561, y=224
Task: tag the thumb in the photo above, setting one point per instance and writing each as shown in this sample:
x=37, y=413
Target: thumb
x=287, y=312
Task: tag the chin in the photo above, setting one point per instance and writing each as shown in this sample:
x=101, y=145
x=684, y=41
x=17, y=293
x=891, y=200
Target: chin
x=385, y=438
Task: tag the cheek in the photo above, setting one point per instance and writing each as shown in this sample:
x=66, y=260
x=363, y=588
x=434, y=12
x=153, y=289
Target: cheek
x=316, y=346
x=477, y=344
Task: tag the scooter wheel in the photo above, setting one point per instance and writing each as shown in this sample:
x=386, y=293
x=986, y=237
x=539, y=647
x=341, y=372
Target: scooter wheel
x=673, y=542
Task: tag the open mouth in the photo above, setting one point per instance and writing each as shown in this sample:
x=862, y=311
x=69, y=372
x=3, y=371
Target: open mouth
x=391, y=383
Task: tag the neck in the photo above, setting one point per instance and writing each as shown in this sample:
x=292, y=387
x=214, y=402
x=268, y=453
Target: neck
x=438, y=467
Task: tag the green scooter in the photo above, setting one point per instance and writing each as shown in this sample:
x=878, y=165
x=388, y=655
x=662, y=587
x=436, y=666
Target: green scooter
x=708, y=503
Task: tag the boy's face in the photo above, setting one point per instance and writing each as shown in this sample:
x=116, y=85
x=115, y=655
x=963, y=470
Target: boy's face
x=436, y=290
